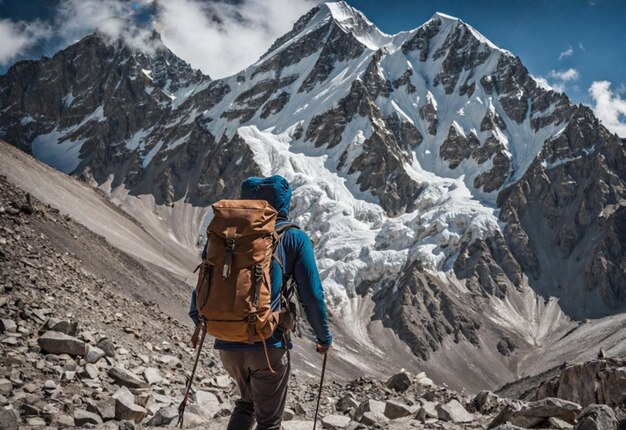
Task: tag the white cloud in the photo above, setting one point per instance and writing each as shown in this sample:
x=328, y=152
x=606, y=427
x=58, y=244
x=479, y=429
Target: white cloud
x=564, y=75
x=18, y=36
x=221, y=39
x=567, y=53
x=216, y=37
x=76, y=18
x=609, y=106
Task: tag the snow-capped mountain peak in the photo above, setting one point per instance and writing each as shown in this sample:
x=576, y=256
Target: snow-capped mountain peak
x=430, y=169
x=353, y=21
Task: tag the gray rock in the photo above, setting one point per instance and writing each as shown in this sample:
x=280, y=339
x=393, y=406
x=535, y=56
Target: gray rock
x=126, y=378
x=164, y=416
x=335, y=422
x=597, y=417
x=9, y=419
x=374, y=418
x=559, y=424
x=428, y=410
x=126, y=408
x=369, y=406
x=90, y=371
x=170, y=360
x=7, y=326
x=35, y=422
x=107, y=346
x=346, y=403
x=59, y=343
x=485, y=402
x=152, y=375
x=94, y=354
x=395, y=409
x=105, y=408
x=399, y=382
x=208, y=402
x=6, y=386
x=67, y=327
x=288, y=414
x=533, y=413
x=65, y=421
x=454, y=411
x=126, y=425
x=82, y=418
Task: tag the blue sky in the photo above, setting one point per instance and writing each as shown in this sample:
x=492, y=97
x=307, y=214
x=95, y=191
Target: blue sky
x=575, y=45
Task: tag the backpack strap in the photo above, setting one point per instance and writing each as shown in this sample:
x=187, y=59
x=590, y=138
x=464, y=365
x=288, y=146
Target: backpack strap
x=278, y=234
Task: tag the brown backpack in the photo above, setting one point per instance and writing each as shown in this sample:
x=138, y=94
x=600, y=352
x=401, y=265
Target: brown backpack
x=233, y=293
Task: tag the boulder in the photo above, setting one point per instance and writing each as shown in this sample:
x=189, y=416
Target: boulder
x=94, y=354
x=485, y=402
x=369, y=406
x=170, y=360
x=208, y=402
x=82, y=418
x=9, y=419
x=399, y=382
x=374, y=419
x=126, y=408
x=6, y=386
x=395, y=409
x=107, y=346
x=559, y=424
x=164, y=416
x=152, y=375
x=346, y=403
x=105, y=408
x=454, y=411
x=530, y=414
x=65, y=421
x=55, y=342
x=288, y=414
x=7, y=326
x=90, y=371
x=596, y=417
x=126, y=378
x=335, y=422
x=427, y=410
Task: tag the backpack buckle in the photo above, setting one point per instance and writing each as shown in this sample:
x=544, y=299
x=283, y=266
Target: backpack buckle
x=230, y=244
x=252, y=318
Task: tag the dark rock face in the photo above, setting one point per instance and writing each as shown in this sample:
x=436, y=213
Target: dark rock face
x=421, y=40
x=340, y=46
x=488, y=267
x=423, y=314
x=380, y=162
x=462, y=51
x=568, y=207
x=405, y=132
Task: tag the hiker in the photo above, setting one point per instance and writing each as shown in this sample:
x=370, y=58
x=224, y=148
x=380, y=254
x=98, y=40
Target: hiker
x=261, y=369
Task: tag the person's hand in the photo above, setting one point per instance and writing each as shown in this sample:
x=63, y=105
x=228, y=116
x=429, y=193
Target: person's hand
x=323, y=348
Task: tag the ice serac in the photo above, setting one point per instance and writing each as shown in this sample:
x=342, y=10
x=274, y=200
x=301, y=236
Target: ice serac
x=461, y=211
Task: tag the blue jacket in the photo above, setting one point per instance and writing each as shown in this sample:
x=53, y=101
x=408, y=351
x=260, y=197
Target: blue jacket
x=295, y=251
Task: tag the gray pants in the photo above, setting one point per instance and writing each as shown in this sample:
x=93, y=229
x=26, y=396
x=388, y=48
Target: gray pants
x=263, y=393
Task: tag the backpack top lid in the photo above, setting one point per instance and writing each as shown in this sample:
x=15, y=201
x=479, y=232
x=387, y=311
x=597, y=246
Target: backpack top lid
x=275, y=190
x=236, y=218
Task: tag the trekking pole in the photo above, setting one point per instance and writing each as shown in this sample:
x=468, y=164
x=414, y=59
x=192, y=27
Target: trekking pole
x=319, y=394
x=183, y=404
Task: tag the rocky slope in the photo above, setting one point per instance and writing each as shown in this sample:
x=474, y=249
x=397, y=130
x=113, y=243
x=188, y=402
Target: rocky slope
x=452, y=199
x=77, y=353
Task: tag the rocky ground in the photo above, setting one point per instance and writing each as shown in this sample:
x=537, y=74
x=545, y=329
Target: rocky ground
x=80, y=349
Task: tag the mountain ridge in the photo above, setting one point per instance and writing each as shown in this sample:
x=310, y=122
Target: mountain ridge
x=432, y=173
